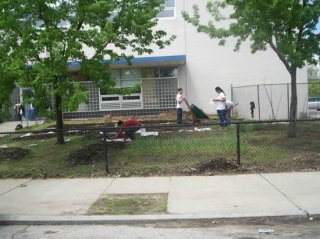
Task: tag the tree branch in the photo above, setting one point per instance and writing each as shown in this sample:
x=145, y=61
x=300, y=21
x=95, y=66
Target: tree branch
x=282, y=58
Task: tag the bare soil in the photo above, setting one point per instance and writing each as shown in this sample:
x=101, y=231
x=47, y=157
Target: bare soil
x=130, y=204
x=13, y=153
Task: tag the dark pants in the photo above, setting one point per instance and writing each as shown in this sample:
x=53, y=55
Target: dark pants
x=130, y=133
x=179, y=116
x=228, y=116
x=222, y=117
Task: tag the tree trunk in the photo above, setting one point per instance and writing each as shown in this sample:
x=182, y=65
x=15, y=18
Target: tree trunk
x=59, y=120
x=292, y=131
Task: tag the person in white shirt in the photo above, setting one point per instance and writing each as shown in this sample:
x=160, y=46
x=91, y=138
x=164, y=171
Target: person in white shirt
x=221, y=106
x=179, y=99
x=19, y=109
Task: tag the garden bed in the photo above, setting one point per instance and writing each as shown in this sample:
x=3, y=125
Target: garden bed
x=188, y=150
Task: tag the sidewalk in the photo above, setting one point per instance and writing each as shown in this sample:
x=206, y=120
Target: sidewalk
x=53, y=201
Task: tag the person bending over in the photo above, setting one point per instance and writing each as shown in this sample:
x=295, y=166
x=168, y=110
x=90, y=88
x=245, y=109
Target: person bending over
x=127, y=129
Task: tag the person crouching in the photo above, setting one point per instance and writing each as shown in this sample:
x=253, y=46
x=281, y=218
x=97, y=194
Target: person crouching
x=127, y=129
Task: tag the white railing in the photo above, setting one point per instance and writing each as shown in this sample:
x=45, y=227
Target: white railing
x=119, y=102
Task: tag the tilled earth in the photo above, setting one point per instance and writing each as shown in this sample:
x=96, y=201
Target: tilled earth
x=13, y=153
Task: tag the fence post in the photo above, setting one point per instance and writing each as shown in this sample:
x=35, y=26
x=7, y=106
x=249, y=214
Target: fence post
x=238, y=144
x=232, y=93
x=105, y=150
x=258, y=92
x=288, y=101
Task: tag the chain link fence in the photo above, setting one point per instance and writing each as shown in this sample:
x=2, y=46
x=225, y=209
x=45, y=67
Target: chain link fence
x=272, y=101
x=207, y=149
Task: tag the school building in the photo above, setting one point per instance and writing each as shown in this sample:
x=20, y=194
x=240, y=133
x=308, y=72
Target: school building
x=197, y=64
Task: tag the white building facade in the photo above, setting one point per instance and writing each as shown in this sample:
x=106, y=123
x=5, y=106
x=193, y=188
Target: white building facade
x=209, y=65
x=197, y=64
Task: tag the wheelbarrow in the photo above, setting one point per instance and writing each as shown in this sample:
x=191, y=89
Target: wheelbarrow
x=196, y=113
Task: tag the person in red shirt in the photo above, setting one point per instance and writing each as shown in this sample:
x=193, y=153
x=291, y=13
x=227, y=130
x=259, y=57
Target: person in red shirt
x=126, y=129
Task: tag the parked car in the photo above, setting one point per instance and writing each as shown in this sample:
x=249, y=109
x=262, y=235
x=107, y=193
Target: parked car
x=314, y=103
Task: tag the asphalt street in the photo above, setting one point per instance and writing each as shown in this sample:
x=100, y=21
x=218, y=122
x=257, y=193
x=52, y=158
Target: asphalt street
x=187, y=230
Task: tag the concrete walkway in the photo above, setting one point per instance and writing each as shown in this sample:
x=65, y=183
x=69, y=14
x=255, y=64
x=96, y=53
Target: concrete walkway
x=26, y=201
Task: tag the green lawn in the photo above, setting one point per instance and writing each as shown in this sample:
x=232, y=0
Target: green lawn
x=169, y=153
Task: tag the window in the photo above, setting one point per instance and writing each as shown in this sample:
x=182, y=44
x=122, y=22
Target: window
x=157, y=88
x=166, y=72
x=110, y=98
x=169, y=9
x=131, y=97
x=130, y=77
x=159, y=72
x=125, y=78
x=117, y=98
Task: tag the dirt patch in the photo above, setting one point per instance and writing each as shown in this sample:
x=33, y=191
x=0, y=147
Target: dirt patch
x=130, y=204
x=87, y=155
x=92, y=153
x=216, y=166
x=164, y=116
x=13, y=153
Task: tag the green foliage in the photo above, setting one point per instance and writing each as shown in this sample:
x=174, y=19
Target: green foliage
x=314, y=88
x=9, y=71
x=125, y=91
x=50, y=34
x=74, y=96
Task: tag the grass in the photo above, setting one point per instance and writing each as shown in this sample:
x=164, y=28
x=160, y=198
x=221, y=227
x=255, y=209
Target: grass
x=260, y=145
x=175, y=149
x=130, y=204
x=46, y=158
x=166, y=154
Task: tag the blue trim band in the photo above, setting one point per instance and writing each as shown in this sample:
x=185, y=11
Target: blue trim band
x=138, y=60
x=152, y=59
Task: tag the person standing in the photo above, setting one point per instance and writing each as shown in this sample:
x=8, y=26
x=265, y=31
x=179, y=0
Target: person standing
x=179, y=99
x=221, y=106
x=19, y=109
x=252, y=107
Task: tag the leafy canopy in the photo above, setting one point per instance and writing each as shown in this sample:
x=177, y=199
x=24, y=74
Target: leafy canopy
x=47, y=35
x=288, y=27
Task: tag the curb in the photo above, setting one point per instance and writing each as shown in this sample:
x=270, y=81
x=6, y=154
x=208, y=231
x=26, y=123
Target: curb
x=150, y=219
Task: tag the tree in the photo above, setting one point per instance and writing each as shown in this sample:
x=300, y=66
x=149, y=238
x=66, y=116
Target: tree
x=288, y=27
x=9, y=71
x=48, y=34
x=6, y=86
